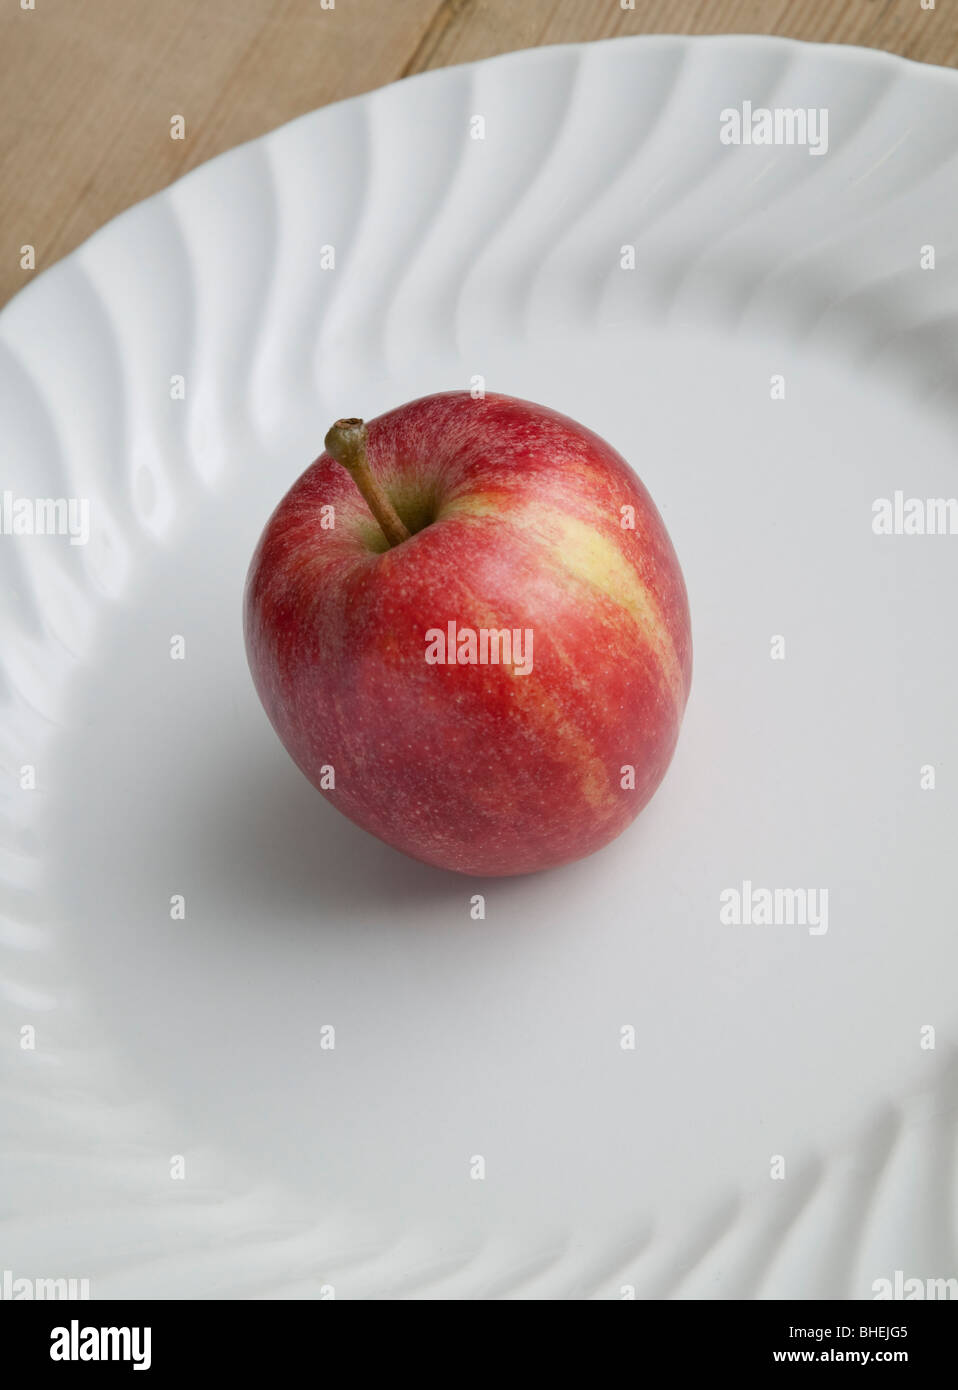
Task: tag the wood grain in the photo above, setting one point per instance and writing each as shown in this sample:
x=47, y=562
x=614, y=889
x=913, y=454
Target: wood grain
x=89, y=90
x=463, y=30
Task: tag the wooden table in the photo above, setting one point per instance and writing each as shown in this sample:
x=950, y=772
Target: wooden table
x=89, y=88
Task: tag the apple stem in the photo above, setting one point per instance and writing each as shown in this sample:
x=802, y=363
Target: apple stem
x=346, y=443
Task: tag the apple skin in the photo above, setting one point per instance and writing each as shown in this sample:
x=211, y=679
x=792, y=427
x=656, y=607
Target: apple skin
x=473, y=767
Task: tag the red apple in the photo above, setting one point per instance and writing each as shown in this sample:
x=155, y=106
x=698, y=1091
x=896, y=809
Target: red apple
x=369, y=607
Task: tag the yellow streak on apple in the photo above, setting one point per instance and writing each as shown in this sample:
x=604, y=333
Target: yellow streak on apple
x=579, y=549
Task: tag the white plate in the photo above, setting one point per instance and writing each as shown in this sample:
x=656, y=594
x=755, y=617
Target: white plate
x=309, y=1168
